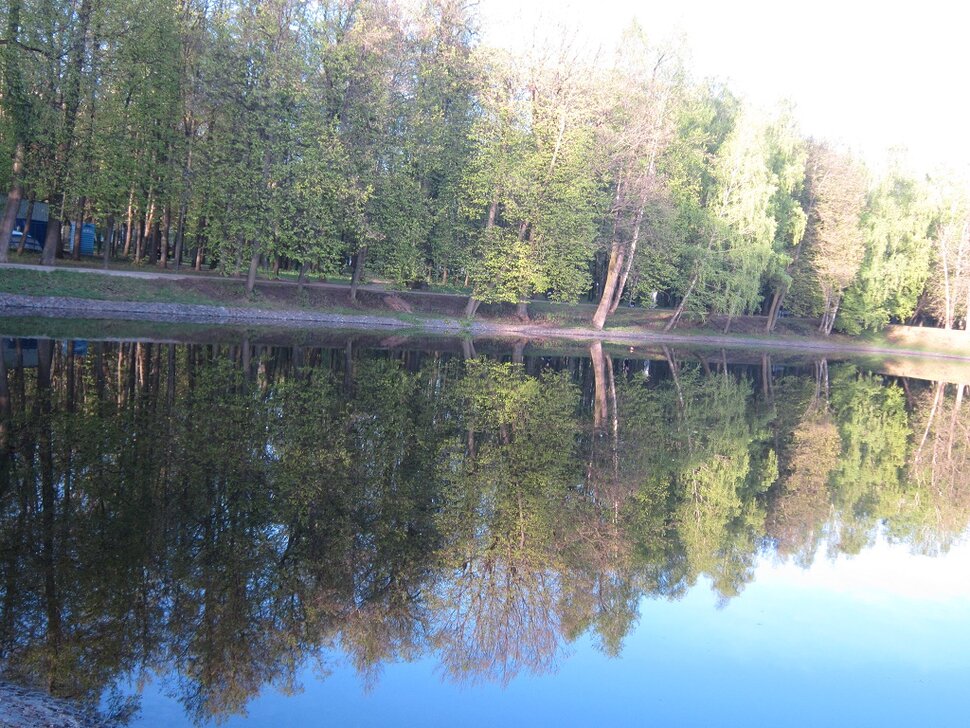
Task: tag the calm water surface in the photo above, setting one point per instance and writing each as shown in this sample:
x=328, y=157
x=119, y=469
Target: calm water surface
x=375, y=531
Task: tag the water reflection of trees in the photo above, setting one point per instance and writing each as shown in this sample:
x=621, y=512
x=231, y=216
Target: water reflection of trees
x=232, y=512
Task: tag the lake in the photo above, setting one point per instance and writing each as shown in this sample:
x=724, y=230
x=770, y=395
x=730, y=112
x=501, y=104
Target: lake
x=220, y=526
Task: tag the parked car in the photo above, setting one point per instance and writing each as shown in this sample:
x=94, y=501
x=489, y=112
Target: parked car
x=16, y=236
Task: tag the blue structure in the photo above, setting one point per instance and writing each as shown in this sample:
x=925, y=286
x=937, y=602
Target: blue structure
x=38, y=218
x=87, y=239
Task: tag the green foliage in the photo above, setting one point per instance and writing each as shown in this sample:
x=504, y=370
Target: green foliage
x=896, y=225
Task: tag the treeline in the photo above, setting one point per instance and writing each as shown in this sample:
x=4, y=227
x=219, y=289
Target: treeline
x=370, y=135
x=157, y=501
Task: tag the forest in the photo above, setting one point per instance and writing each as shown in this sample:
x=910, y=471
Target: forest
x=378, y=138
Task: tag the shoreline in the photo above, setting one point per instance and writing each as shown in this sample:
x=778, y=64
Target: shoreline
x=68, y=307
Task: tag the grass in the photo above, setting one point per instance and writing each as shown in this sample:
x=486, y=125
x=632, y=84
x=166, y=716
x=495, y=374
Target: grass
x=103, y=288
x=209, y=290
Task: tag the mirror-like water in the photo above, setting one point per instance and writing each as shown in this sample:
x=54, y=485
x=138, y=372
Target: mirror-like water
x=195, y=532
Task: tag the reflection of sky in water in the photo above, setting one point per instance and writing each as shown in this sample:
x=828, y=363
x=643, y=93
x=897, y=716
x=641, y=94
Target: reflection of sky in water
x=880, y=639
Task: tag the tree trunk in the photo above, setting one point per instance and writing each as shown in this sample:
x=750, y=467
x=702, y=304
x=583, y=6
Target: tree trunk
x=251, y=277
x=164, y=237
x=359, y=261
x=78, y=230
x=180, y=236
x=109, y=235
x=144, y=244
x=612, y=280
x=680, y=307
x=128, y=222
x=14, y=196
x=627, y=264
x=522, y=310
x=52, y=241
x=471, y=307
x=304, y=267
x=776, y=301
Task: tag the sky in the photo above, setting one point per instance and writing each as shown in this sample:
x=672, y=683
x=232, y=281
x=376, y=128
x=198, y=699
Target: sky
x=873, y=76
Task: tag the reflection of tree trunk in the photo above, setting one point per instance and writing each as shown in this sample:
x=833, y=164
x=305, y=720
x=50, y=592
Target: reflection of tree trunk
x=468, y=348
x=599, y=388
x=675, y=375
x=45, y=352
x=953, y=419
x=937, y=396
x=766, y=386
x=4, y=417
x=246, y=358
x=349, y=365
x=518, y=351
x=614, y=415
x=170, y=379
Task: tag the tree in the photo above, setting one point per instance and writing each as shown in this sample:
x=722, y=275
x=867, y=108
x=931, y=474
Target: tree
x=639, y=105
x=947, y=293
x=898, y=249
x=836, y=194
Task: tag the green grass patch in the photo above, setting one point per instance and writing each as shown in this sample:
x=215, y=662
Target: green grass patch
x=72, y=284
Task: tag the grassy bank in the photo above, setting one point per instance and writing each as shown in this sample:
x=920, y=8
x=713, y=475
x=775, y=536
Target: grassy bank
x=416, y=307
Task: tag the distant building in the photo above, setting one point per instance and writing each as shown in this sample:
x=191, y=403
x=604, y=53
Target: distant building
x=39, y=216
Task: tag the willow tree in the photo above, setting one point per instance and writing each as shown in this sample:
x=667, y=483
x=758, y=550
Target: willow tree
x=787, y=159
x=896, y=264
x=740, y=227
